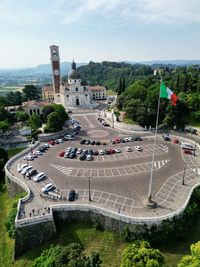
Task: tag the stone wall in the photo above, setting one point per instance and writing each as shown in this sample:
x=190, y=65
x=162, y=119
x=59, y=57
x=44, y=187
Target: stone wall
x=32, y=235
x=13, y=188
x=51, y=136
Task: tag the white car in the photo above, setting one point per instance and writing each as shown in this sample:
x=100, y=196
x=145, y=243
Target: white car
x=37, y=152
x=60, y=141
x=39, y=177
x=28, y=157
x=79, y=151
x=68, y=137
x=138, y=148
x=89, y=157
x=69, y=149
x=20, y=168
x=117, y=150
x=101, y=152
x=128, y=148
x=47, y=188
x=26, y=169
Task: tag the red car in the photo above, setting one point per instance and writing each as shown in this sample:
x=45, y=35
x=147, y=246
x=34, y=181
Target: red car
x=188, y=152
x=61, y=154
x=117, y=140
x=52, y=142
x=112, y=151
x=176, y=141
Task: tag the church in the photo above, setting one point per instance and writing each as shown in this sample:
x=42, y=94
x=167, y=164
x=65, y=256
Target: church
x=73, y=93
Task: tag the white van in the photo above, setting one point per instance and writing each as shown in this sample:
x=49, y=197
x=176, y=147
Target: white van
x=187, y=146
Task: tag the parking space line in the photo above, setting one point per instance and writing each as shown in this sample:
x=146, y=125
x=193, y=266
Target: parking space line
x=108, y=198
x=100, y=196
x=84, y=194
x=123, y=203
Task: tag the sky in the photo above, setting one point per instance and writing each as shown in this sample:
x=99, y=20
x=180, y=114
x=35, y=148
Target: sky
x=97, y=30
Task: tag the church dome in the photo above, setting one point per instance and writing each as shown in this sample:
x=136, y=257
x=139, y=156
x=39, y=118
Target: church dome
x=74, y=74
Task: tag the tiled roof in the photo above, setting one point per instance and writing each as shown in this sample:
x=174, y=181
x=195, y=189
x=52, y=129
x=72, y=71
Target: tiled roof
x=31, y=103
x=97, y=88
x=47, y=88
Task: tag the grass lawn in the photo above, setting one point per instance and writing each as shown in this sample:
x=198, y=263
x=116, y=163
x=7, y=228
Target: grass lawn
x=14, y=151
x=6, y=244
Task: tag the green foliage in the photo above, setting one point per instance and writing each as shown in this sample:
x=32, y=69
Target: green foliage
x=141, y=254
x=10, y=219
x=56, y=117
x=31, y=92
x=70, y=255
x=194, y=259
x=35, y=121
x=53, y=123
x=3, y=159
x=4, y=126
x=5, y=115
x=22, y=116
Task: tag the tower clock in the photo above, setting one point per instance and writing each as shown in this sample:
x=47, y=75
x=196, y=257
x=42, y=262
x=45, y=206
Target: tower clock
x=55, y=63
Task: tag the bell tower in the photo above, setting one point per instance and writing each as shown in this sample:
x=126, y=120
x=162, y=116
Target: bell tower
x=55, y=63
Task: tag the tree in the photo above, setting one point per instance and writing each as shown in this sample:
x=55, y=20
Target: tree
x=22, y=116
x=140, y=254
x=5, y=115
x=60, y=110
x=46, y=111
x=31, y=92
x=4, y=126
x=53, y=123
x=3, y=160
x=192, y=260
x=35, y=121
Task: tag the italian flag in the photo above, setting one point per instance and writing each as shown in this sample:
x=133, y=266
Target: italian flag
x=165, y=92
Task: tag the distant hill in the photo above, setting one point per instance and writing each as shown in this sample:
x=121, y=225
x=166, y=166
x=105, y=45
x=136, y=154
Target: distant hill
x=178, y=62
x=40, y=69
x=45, y=69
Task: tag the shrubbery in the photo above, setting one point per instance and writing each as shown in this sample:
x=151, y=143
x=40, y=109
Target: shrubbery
x=69, y=256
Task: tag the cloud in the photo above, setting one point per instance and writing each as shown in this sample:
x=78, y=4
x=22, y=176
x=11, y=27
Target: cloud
x=178, y=12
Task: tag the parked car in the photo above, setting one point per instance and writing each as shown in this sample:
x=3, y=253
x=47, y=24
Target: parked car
x=39, y=177
x=72, y=195
x=117, y=150
x=85, y=152
x=60, y=141
x=166, y=137
x=128, y=148
x=101, y=152
x=176, y=141
x=106, y=124
x=112, y=151
x=87, y=142
x=51, y=142
x=90, y=151
x=113, y=142
x=29, y=158
x=96, y=152
x=92, y=143
x=82, y=157
x=72, y=155
x=104, y=143
x=61, y=154
x=66, y=155
x=21, y=167
x=82, y=142
x=31, y=173
x=47, y=188
x=79, y=151
x=187, y=146
x=89, y=157
x=188, y=152
x=68, y=137
x=138, y=148
x=97, y=143
x=26, y=169
x=117, y=140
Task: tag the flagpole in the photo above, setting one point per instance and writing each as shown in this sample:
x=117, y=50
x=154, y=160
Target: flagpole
x=149, y=202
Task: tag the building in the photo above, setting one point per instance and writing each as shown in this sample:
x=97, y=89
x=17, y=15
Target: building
x=73, y=93
x=47, y=93
x=97, y=92
x=34, y=107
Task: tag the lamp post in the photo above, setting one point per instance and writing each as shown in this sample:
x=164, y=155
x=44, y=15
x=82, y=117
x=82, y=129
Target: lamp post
x=89, y=189
x=195, y=146
x=183, y=178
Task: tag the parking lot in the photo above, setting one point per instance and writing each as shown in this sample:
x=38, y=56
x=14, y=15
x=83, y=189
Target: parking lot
x=120, y=180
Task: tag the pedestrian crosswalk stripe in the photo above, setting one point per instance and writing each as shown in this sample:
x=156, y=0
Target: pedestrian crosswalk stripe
x=64, y=170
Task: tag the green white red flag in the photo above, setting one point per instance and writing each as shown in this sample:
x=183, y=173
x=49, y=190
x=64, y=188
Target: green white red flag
x=165, y=92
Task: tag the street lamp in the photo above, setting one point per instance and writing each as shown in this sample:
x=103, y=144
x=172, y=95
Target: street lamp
x=195, y=147
x=183, y=178
x=89, y=189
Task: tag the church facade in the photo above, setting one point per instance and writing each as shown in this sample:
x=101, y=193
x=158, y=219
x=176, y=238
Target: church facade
x=73, y=93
